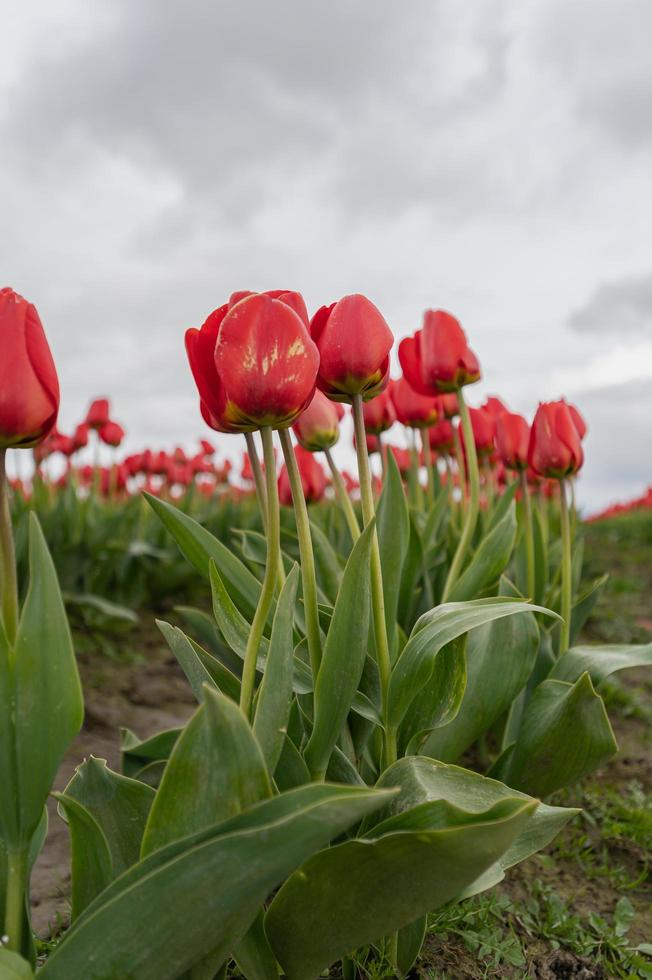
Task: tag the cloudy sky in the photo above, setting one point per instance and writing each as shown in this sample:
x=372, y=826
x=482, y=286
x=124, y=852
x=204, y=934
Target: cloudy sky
x=489, y=158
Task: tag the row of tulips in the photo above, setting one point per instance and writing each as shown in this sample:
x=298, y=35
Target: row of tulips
x=313, y=810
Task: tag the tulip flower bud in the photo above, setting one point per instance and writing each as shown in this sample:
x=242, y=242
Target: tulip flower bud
x=318, y=427
x=484, y=429
x=80, y=437
x=448, y=406
x=512, y=440
x=379, y=413
x=412, y=409
x=111, y=434
x=98, y=413
x=494, y=406
x=354, y=342
x=442, y=438
x=29, y=389
x=555, y=448
x=254, y=364
x=313, y=478
x=578, y=420
x=438, y=358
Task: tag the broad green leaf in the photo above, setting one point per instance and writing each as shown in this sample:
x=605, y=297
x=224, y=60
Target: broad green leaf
x=275, y=691
x=344, y=654
x=291, y=770
x=432, y=632
x=564, y=734
x=119, y=805
x=216, y=769
x=584, y=606
x=357, y=892
x=601, y=661
x=234, y=627
x=412, y=571
x=410, y=941
x=194, y=665
x=195, y=891
x=499, y=659
x=48, y=706
x=502, y=506
x=424, y=780
x=111, y=610
x=540, y=557
x=13, y=966
x=327, y=563
x=139, y=753
x=489, y=561
x=198, y=545
x=439, y=701
x=253, y=955
x=393, y=518
x=28, y=949
x=91, y=862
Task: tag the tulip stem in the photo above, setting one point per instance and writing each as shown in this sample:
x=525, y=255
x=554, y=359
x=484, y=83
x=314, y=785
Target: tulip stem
x=8, y=579
x=566, y=571
x=429, y=465
x=529, y=536
x=259, y=479
x=414, y=484
x=461, y=470
x=377, y=593
x=15, y=898
x=471, y=516
x=308, y=578
x=343, y=498
x=269, y=581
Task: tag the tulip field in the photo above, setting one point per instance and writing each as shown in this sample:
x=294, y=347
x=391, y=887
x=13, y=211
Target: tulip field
x=299, y=708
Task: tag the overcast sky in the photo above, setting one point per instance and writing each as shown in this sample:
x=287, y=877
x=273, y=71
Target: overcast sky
x=489, y=158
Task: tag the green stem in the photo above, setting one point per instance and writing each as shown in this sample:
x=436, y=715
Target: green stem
x=15, y=898
x=343, y=498
x=259, y=479
x=269, y=581
x=529, y=536
x=461, y=469
x=377, y=594
x=308, y=578
x=471, y=516
x=8, y=579
x=430, y=469
x=566, y=571
x=416, y=495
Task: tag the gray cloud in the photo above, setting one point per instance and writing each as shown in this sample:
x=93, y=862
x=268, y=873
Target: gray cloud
x=623, y=306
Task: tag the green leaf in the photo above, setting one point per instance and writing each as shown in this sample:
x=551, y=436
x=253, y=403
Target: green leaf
x=327, y=564
x=432, y=632
x=253, y=955
x=357, y=892
x=344, y=654
x=275, y=692
x=584, y=606
x=192, y=898
x=111, y=610
x=42, y=680
x=91, y=862
x=500, y=657
x=489, y=561
x=601, y=661
x=137, y=753
x=439, y=701
x=233, y=625
x=291, y=770
x=412, y=571
x=199, y=546
x=216, y=769
x=564, y=734
x=410, y=941
x=119, y=805
x=13, y=966
x=393, y=518
x=194, y=665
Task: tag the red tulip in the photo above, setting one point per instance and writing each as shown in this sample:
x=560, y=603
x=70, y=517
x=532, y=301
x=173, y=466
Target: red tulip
x=111, y=434
x=98, y=413
x=512, y=440
x=294, y=300
x=207, y=448
x=555, y=448
x=29, y=389
x=402, y=457
x=578, y=420
x=80, y=437
x=438, y=358
x=448, y=405
x=442, y=437
x=484, y=430
x=494, y=406
x=254, y=364
x=417, y=411
x=313, y=478
x=318, y=427
x=379, y=413
x=354, y=342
